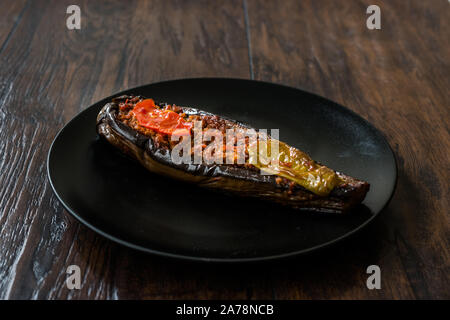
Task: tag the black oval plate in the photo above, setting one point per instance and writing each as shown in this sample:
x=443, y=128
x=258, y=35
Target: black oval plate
x=122, y=201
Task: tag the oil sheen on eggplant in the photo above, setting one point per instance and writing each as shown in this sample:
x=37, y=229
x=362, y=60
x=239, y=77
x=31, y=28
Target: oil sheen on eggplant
x=239, y=180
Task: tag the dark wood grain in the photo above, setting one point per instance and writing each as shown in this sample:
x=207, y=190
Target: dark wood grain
x=11, y=16
x=396, y=77
x=48, y=75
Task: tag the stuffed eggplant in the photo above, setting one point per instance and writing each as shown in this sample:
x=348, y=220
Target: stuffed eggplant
x=152, y=133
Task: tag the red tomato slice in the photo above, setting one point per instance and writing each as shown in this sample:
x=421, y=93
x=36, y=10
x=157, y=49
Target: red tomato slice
x=163, y=121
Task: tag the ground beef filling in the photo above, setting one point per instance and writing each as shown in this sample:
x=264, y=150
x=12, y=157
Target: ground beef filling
x=208, y=122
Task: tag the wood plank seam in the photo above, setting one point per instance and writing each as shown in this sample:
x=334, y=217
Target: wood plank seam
x=13, y=29
x=248, y=35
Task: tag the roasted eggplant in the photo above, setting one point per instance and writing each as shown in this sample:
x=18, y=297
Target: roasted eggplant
x=143, y=129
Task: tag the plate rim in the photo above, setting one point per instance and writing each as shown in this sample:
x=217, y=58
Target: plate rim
x=221, y=260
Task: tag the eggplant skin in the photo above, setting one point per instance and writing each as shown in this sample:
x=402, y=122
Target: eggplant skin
x=237, y=180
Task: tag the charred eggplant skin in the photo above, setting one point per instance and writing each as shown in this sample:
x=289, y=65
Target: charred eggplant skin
x=231, y=179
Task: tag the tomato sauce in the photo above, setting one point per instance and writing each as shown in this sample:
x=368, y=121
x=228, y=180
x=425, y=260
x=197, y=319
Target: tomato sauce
x=161, y=120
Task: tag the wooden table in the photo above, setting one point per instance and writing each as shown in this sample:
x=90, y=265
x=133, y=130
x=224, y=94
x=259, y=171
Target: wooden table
x=396, y=77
